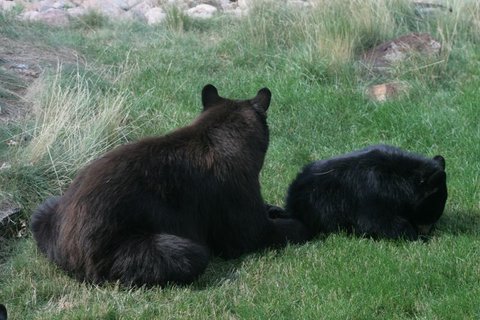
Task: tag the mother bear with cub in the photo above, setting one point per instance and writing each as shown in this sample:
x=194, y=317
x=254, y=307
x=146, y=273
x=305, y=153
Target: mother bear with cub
x=153, y=211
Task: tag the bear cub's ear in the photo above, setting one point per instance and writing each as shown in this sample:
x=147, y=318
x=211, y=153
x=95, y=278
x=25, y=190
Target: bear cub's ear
x=210, y=96
x=440, y=160
x=436, y=179
x=262, y=101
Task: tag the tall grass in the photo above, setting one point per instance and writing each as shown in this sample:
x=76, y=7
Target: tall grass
x=72, y=123
x=323, y=39
x=327, y=38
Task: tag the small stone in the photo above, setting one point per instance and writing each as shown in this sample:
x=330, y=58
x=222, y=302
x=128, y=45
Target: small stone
x=141, y=9
x=76, y=12
x=298, y=3
x=44, y=5
x=62, y=5
x=30, y=15
x=228, y=5
x=54, y=17
x=386, y=91
x=202, y=11
x=7, y=5
x=19, y=66
x=213, y=3
x=5, y=166
x=11, y=143
x=155, y=16
x=243, y=4
x=8, y=208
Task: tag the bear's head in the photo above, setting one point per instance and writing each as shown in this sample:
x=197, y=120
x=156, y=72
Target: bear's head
x=237, y=127
x=432, y=194
x=260, y=103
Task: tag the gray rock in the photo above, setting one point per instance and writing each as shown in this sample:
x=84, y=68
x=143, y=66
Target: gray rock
x=62, y=4
x=7, y=5
x=44, y=5
x=30, y=15
x=141, y=9
x=202, y=11
x=7, y=210
x=299, y=3
x=54, y=17
x=391, y=52
x=36, y=10
x=76, y=12
x=155, y=16
x=244, y=4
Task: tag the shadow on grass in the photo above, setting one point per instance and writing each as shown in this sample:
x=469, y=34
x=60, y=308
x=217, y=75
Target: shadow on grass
x=218, y=272
x=459, y=223
x=454, y=223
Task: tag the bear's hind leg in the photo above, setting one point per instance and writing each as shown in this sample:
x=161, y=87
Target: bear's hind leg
x=289, y=230
x=158, y=259
x=275, y=212
x=381, y=221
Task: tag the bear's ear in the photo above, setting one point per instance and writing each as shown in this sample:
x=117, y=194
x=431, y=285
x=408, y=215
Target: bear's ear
x=440, y=160
x=262, y=101
x=210, y=96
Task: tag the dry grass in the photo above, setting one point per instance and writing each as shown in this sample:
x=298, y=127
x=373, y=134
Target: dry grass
x=21, y=62
x=73, y=122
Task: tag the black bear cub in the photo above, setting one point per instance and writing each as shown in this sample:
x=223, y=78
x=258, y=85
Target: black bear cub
x=380, y=191
x=153, y=211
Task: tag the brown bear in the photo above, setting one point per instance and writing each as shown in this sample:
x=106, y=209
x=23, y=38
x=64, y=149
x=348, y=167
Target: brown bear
x=153, y=211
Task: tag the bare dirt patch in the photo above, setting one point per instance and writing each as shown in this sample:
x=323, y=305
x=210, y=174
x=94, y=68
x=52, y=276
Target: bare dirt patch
x=22, y=62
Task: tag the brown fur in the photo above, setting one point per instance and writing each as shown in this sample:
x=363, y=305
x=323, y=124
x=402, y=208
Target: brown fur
x=152, y=211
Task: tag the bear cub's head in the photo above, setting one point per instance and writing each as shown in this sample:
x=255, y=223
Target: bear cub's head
x=432, y=194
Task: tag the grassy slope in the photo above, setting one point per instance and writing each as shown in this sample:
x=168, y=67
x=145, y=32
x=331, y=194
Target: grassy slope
x=318, y=110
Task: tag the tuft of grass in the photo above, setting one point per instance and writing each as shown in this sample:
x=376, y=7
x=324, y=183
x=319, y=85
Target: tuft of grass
x=10, y=85
x=176, y=20
x=73, y=123
x=91, y=20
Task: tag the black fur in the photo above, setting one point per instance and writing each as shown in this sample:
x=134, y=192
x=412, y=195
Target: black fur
x=379, y=191
x=153, y=211
x=3, y=312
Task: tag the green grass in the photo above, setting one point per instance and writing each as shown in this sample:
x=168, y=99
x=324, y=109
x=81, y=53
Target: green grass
x=131, y=80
